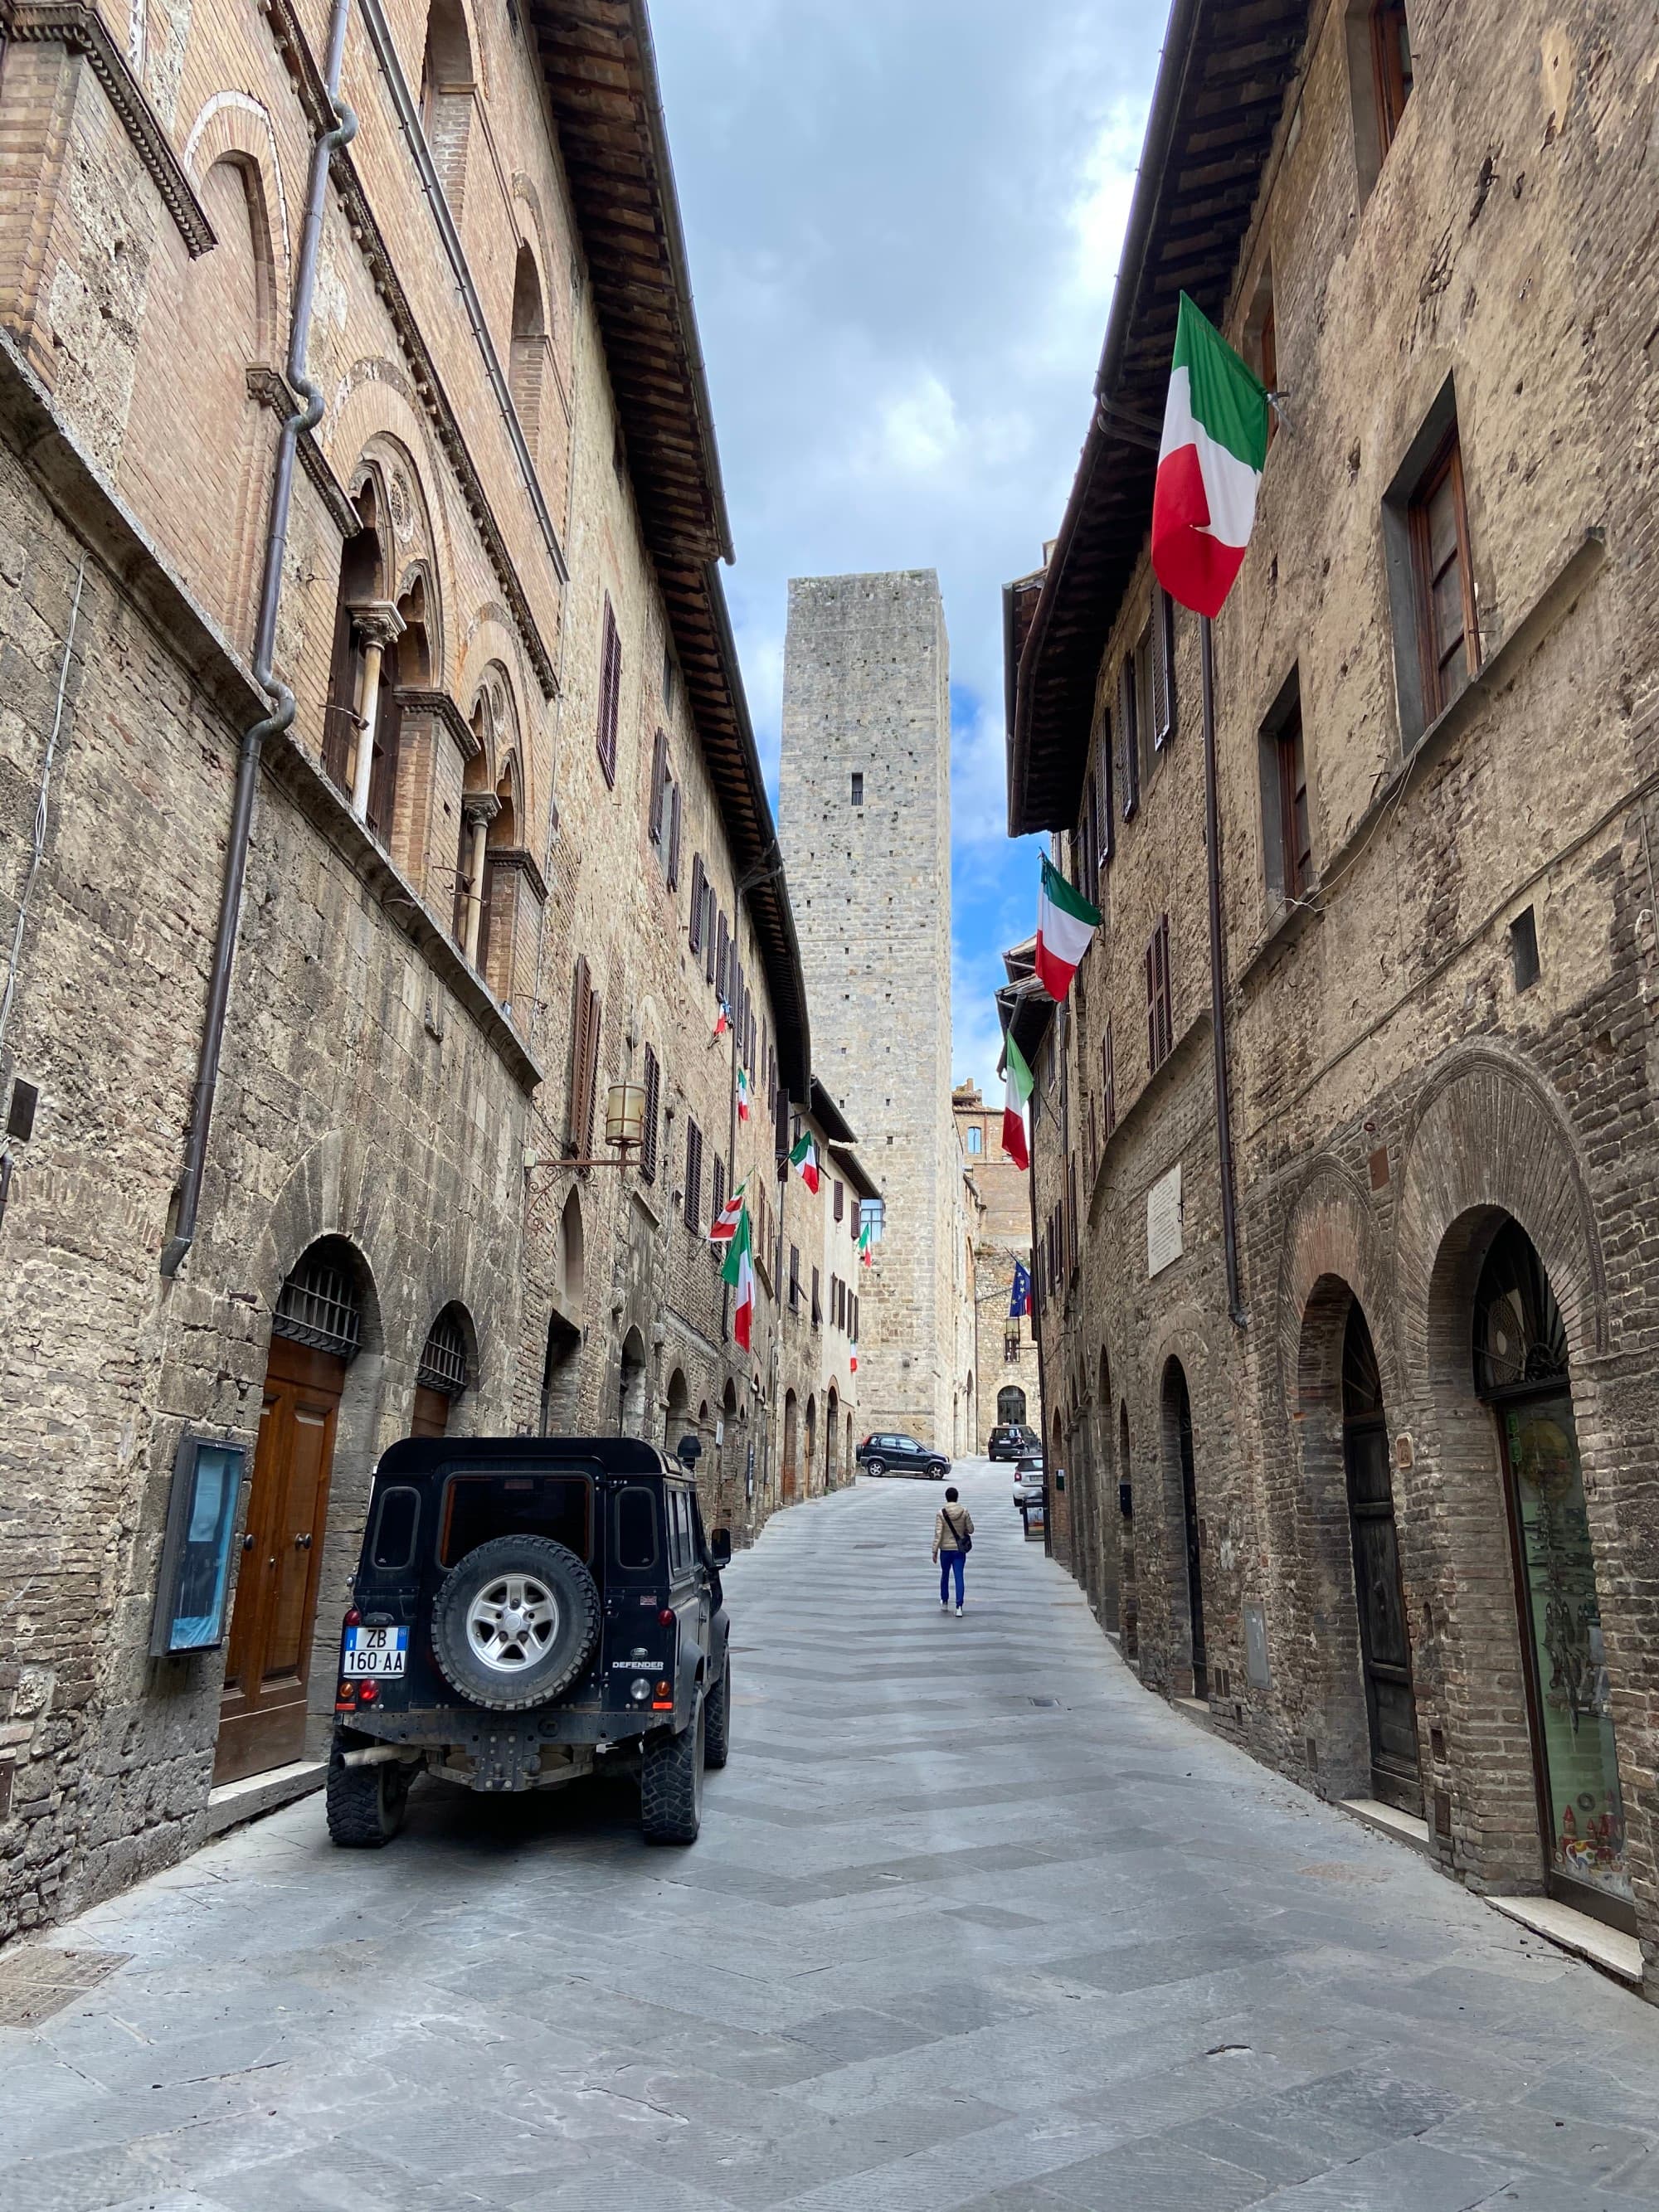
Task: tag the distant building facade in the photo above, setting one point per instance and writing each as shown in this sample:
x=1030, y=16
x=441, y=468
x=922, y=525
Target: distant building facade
x=1006, y=1345
x=864, y=818
x=1385, y=1501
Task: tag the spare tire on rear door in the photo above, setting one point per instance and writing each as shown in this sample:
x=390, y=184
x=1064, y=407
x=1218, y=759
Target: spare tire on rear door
x=515, y=1622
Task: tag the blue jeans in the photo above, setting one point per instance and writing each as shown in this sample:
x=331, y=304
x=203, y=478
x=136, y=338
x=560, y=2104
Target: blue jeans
x=950, y=1563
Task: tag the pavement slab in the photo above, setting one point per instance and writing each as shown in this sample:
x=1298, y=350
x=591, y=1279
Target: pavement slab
x=974, y=1922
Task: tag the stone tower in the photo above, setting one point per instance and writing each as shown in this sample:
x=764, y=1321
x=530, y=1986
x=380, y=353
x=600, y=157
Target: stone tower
x=865, y=821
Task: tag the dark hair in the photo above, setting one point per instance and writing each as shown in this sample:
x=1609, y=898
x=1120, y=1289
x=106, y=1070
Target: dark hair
x=950, y=1495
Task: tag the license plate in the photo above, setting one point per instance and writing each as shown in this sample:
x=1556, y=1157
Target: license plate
x=375, y=1651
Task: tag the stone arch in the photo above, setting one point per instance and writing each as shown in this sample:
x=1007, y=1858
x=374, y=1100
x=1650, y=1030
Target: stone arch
x=791, y=1435
x=676, y=1410
x=1160, y=1539
x=831, y=1437
x=631, y=1387
x=1130, y=1599
x=570, y=1268
x=373, y=413
x=231, y=124
x=809, y=1448
x=448, y=85
x=527, y=352
x=452, y=1327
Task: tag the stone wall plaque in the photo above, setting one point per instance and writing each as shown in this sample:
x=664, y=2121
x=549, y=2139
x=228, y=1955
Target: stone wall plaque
x=1163, y=1222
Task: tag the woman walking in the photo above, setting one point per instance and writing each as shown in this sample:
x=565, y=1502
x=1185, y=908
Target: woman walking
x=953, y=1538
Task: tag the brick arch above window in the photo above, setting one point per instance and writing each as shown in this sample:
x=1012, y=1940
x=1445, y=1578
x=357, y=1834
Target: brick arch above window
x=230, y=124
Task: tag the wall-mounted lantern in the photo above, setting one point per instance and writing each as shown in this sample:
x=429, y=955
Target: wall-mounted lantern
x=194, y=1580
x=624, y=1127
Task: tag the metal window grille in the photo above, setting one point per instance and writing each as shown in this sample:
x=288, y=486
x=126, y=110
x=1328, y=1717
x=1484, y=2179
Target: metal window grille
x=319, y=1306
x=443, y=1358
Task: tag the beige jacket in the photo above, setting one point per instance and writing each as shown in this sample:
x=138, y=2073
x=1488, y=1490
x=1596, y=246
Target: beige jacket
x=947, y=1537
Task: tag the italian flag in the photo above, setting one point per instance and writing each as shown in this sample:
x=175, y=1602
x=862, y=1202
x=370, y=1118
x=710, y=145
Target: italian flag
x=866, y=1256
x=723, y=1019
x=1065, y=922
x=804, y=1160
x=739, y=1272
x=742, y=1094
x=724, y=1227
x=853, y=1360
x=1018, y=1079
x=1209, y=465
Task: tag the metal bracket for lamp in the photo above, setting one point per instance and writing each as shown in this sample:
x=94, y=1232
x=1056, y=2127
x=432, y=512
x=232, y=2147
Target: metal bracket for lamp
x=624, y=1127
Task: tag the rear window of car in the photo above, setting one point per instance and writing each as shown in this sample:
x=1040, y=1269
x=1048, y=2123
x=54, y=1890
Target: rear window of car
x=397, y=1521
x=636, y=1529
x=485, y=1502
x=681, y=1544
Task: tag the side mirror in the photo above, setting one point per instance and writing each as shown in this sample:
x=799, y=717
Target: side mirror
x=719, y=1546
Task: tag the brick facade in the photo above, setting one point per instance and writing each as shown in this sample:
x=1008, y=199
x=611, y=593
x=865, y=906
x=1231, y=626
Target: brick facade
x=1005, y=1348
x=1406, y=1078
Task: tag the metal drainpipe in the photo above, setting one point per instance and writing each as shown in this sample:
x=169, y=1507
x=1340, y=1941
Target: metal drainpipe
x=264, y=646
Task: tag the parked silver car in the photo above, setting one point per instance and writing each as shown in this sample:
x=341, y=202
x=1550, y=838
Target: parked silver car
x=1029, y=1481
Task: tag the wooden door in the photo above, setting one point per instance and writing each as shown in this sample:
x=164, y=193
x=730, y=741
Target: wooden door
x=431, y=1411
x=1384, y=1643
x=262, y=1717
x=1183, y=1415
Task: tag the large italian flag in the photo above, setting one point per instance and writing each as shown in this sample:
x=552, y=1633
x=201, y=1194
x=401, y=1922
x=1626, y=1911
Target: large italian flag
x=739, y=1272
x=804, y=1160
x=1017, y=1080
x=1209, y=465
x=1065, y=922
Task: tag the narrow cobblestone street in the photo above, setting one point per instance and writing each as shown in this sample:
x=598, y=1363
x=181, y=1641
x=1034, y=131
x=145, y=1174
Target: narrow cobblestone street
x=973, y=1921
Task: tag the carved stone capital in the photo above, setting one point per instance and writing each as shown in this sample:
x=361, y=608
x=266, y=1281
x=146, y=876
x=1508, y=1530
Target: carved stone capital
x=377, y=622
x=480, y=808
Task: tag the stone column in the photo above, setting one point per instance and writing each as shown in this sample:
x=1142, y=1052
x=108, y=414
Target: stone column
x=480, y=809
x=377, y=625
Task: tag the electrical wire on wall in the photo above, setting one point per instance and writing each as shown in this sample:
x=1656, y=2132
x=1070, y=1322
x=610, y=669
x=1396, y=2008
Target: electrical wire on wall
x=37, y=852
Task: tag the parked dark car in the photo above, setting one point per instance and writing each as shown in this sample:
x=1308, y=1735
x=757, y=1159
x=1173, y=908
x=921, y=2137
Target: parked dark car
x=1013, y=1440
x=889, y=1454
x=527, y=1611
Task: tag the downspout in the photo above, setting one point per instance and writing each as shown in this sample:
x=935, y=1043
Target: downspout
x=264, y=646
x=1219, y=1052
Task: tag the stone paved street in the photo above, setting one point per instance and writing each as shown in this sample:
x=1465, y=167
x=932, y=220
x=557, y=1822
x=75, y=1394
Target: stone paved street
x=974, y=1921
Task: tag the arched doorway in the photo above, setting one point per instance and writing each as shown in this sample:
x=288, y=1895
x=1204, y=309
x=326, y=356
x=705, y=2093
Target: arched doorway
x=786, y=1477
x=559, y=1377
x=811, y=1456
x=571, y=1266
x=677, y=1416
x=831, y=1438
x=1178, y=1468
x=1126, y=1507
x=314, y=1336
x=1010, y=1406
x=970, y=1413
x=1385, y=1651
x=1521, y=1371
x=630, y=1387
x=447, y=1366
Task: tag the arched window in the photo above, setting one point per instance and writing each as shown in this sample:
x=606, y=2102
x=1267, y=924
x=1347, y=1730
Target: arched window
x=1010, y=1406
x=572, y=1268
x=319, y=1305
x=975, y=1139
x=360, y=570
x=529, y=348
x=444, y=1372
x=447, y=90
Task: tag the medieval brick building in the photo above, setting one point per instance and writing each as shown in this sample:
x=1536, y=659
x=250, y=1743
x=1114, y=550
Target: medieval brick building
x=1005, y=1355
x=1375, y=1484
x=378, y=805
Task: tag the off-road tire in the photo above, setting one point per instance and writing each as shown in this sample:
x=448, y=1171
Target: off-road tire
x=717, y=1719
x=671, y=1785
x=557, y=1570
x=875, y=1466
x=365, y=1804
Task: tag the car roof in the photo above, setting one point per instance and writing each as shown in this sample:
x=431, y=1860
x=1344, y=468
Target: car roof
x=414, y=1456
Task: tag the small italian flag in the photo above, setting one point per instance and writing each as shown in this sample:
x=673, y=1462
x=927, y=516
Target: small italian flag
x=804, y=1160
x=742, y=1094
x=739, y=1272
x=1017, y=1080
x=723, y=1019
x=1065, y=922
x=1209, y=465
x=724, y=1227
x=853, y=1360
x=866, y=1256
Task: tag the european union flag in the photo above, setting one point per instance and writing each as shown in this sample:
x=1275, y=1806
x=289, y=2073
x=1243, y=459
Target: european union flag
x=1021, y=1301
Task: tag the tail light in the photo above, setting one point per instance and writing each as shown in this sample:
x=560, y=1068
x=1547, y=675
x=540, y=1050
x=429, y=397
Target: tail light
x=667, y=1617
x=367, y=1694
x=664, y=1701
x=354, y=1619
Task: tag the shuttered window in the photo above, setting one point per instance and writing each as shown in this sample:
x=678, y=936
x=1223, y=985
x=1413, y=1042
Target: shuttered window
x=1070, y=1215
x=673, y=864
x=1106, y=831
x=653, y=1095
x=794, y=1279
x=1164, y=690
x=840, y=1198
x=1128, y=735
x=693, y=929
x=658, y=782
x=583, y=1062
x=1088, y=842
x=693, y=1178
x=722, y=960
x=1108, y=1081
x=717, y=1187
x=708, y=931
x=609, y=695
x=818, y=1308
x=1448, y=637
x=1160, y=1026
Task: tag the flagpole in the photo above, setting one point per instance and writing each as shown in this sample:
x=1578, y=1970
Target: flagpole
x=1224, y=1131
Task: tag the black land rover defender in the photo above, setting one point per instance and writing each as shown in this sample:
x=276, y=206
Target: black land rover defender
x=528, y=1610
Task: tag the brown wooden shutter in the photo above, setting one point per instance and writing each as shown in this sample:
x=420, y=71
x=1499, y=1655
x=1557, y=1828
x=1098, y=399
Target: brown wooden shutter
x=1107, y=818
x=581, y=1073
x=1164, y=690
x=593, y=1072
x=794, y=1279
x=610, y=690
x=659, y=777
x=841, y=1199
x=1160, y=1027
x=817, y=1307
x=1070, y=1215
x=673, y=836
x=708, y=931
x=717, y=1179
x=1128, y=739
x=693, y=1178
x=722, y=959
x=694, y=931
x=653, y=1090
x=1109, y=1079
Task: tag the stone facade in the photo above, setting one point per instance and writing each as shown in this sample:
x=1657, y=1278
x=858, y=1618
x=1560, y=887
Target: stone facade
x=1005, y=1347
x=436, y=889
x=1439, y=979
x=865, y=819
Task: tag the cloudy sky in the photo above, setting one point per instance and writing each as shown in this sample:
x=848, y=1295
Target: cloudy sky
x=903, y=219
